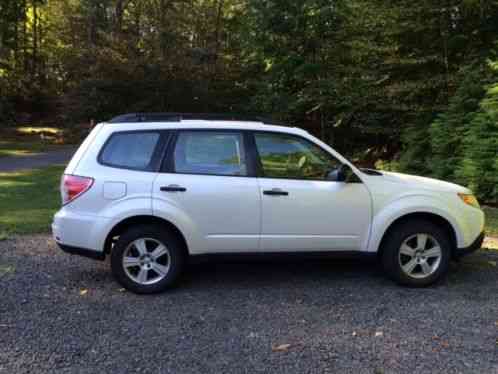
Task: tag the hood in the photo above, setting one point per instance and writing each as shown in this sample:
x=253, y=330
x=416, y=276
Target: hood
x=415, y=181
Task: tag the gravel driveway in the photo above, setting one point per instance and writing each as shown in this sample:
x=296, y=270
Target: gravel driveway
x=60, y=313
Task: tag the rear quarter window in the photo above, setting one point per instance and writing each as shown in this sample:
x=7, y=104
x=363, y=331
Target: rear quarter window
x=130, y=150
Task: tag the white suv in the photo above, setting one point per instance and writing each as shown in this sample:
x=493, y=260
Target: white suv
x=153, y=190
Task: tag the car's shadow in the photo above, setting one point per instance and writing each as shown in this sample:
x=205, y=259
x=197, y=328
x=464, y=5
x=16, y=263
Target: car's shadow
x=288, y=271
x=281, y=270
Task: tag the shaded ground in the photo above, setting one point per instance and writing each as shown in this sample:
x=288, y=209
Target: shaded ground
x=37, y=160
x=60, y=313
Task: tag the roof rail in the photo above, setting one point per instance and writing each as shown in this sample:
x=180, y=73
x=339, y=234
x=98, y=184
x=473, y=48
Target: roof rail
x=177, y=117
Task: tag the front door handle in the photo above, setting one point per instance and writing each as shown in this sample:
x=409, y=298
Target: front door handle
x=173, y=188
x=275, y=192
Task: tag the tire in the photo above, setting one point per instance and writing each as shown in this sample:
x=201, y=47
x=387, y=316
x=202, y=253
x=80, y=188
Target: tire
x=140, y=247
x=404, y=249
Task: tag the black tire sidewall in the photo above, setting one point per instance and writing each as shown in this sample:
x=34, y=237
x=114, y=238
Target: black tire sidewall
x=159, y=233
x=390, y=254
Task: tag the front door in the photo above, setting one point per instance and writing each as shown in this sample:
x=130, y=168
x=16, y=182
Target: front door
x=301, y=209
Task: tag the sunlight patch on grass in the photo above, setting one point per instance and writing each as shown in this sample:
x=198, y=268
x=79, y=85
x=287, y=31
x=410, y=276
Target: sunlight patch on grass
x=490, y=243
x=38, y=130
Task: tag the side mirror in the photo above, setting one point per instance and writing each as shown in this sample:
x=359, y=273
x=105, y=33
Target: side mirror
x=338, y=175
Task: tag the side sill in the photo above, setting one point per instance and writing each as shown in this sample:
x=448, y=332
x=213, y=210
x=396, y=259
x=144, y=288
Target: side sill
x=89, y=253
x=282, y=256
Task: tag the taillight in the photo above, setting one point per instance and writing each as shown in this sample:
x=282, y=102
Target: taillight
x=73, y=186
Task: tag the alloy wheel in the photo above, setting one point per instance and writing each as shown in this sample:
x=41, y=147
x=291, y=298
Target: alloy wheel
x=420, y=256
x=146, y=261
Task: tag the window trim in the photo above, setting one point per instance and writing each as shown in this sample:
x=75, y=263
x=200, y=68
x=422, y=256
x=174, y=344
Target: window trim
x=168, y=162
x=157, y=153
x=260, y=171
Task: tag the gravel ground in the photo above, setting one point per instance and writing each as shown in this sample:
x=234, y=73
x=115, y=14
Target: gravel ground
x=60, y=313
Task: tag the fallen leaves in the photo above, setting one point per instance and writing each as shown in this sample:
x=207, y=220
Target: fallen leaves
x=280, y=348
x=366, y=333
x=83, y=291
x=442, y=343
x=4, y=269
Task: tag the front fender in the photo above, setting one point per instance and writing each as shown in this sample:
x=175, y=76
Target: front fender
x=407, y=205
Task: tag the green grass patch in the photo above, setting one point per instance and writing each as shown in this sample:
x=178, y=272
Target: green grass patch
x=491, y=220
x=28, y=200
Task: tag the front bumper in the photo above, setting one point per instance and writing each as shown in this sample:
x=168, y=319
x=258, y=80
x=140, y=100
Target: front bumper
x=82, y=252
x=460, y=252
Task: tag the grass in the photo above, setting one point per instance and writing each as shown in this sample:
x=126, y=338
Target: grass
x=491, y=220
x=28, y=200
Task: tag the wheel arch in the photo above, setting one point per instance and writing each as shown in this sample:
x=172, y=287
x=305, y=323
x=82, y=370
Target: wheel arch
x=124, y=224
x=433, y=218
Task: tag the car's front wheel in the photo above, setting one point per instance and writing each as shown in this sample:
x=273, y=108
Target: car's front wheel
x=147, y=259
x=416, y=253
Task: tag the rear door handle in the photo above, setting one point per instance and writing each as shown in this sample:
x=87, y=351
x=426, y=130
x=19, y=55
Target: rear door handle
x=275, y=192
x=173, y=188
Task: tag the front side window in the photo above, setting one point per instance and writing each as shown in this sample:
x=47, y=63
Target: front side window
x=210, y=152
x=132, y=150
x=287, y=156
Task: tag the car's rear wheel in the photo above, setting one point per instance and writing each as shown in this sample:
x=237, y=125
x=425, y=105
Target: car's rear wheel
x=416, y=253
x=147, y=259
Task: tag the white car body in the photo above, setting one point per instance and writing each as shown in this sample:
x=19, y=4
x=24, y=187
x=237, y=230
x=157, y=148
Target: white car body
x=220, y=214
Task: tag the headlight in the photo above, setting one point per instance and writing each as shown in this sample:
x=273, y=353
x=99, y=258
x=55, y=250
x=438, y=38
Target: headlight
x=469, y=199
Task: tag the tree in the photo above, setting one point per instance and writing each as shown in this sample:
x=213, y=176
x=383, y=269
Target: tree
x=478, y=167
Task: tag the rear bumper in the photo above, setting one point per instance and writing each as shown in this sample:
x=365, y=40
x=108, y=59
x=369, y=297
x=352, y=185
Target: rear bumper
x=476, y=244
x=76, y=230
x=82, y=252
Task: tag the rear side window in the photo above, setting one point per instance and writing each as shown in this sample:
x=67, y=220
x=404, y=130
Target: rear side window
x=130, y=150
x=210, y=152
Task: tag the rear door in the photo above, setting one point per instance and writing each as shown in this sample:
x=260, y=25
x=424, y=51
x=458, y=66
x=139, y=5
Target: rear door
x=301, y=209
x=209, y=178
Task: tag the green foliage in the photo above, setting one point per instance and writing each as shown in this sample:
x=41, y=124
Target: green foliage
x=479, y=166
x=462, y=142
x=448, y=131
x=377, y=79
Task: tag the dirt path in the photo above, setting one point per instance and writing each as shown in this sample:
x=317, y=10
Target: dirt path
x=48, y=158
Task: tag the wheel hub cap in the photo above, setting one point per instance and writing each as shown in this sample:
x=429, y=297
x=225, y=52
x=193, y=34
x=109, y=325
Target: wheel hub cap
x=420, y=256
x=146, y=261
